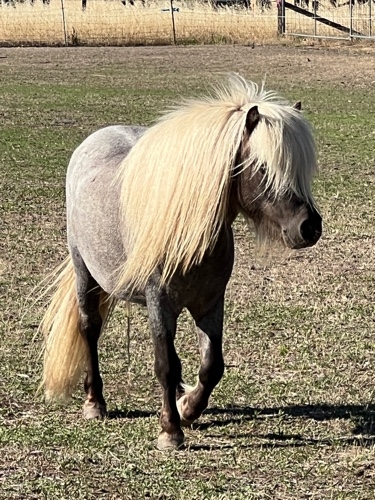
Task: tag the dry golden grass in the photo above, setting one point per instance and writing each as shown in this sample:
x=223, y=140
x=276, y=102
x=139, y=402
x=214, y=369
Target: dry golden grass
x=110, y=22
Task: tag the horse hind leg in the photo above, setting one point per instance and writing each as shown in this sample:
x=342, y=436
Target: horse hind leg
x=94, y=309
x=209, y=330
x=91, y=325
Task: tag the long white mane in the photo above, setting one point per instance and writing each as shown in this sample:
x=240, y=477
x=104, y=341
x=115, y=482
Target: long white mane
x=176, y=180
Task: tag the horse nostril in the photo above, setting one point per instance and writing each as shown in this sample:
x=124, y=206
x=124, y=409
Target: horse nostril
x=309, y=231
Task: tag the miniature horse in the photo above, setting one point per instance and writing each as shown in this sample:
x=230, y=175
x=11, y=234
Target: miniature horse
x=149, y=216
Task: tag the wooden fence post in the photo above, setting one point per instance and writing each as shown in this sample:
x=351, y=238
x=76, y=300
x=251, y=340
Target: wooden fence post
x=280, y=17
x=64, y=23
x=173, y=24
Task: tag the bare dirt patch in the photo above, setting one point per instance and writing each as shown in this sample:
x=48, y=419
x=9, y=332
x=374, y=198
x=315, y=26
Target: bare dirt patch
x=346, y=63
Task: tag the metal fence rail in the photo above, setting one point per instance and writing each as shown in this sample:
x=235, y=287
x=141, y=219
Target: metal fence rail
x=346, y=19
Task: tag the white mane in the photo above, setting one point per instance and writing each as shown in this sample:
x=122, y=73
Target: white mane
x=175, y=182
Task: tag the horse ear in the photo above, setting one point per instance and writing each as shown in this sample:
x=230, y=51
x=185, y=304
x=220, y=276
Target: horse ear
x=252, y=119
x=298, y=106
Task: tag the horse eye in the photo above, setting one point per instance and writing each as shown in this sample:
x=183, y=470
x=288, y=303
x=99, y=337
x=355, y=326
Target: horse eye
x=262, y=170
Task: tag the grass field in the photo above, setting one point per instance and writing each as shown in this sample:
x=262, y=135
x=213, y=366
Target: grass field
x=293, y=417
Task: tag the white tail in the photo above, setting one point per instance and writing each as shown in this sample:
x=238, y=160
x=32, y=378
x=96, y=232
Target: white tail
x=66, y=351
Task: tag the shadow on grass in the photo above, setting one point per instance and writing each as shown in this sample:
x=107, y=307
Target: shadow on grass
x=132, y=414
x=272, y=441
x=363, y=416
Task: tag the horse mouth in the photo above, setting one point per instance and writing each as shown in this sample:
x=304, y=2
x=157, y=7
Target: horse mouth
x=298, y=242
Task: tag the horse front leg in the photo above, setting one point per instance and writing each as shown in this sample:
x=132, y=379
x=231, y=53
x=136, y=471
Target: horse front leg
x=210, y=334
x=163, y=322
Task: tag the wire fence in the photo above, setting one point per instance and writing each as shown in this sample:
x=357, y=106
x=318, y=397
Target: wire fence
x=330, y=18
x=119, y=22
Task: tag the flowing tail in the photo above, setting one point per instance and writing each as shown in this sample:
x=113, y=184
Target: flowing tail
x=65, y=351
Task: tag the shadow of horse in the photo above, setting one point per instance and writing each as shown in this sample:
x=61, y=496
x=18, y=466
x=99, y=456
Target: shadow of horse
x=362, y=416
x=131, y=414
x=315, y=412
x=363, y=433
x=279, y=441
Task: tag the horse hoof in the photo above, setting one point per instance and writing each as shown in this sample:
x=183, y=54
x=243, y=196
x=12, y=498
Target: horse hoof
x=170, y=442
x=181, y=403
x=92, y=410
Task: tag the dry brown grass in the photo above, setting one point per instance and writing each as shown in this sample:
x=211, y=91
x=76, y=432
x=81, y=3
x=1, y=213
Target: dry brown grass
x=110, y=22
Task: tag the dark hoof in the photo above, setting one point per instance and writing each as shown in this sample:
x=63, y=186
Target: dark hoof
x=92, y=410
x=169, y=442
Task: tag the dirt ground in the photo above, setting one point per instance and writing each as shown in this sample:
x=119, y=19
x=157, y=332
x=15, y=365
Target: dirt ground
x=347, y=64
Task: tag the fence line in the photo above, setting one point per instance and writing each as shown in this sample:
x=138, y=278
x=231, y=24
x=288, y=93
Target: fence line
x=116, y=22
x=326, y=19
x=147, y=22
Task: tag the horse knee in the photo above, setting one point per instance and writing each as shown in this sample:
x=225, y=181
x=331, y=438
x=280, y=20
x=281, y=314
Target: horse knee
x=168, y=370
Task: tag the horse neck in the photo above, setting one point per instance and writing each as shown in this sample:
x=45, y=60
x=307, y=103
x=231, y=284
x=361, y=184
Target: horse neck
x=234, y=199
x=233, y=205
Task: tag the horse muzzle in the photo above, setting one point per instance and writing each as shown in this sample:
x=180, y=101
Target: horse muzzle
x=306, y=233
